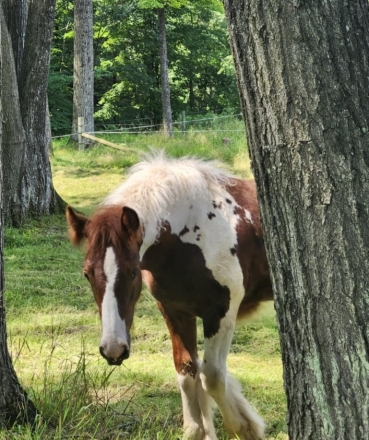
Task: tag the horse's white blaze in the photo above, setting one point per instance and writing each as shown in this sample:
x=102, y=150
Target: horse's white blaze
x=114, y=332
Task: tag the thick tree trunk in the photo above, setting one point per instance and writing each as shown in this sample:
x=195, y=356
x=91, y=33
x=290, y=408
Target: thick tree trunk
x=13, y=140
x=28, y=186
x=165, y=89
x=14, y=403
x=38, y=195
x=303, y=77
x=83, y=84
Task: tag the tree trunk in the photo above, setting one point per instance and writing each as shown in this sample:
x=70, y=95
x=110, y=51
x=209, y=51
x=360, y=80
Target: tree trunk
x=28, y=188
x=165, y=89
x=16, y=12
x=303, y=77
x=13, y=139
x=14, y=403
x=83, y=84
x=38, y=196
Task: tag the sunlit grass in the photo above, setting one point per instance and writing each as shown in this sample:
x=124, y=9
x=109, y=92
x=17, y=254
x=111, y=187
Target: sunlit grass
x=54, y=328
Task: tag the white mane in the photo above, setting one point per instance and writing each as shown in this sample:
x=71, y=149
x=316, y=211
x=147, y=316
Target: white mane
x=153, y=185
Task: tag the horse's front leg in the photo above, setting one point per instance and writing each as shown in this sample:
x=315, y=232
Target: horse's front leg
x=197, y=423
x=240, y=420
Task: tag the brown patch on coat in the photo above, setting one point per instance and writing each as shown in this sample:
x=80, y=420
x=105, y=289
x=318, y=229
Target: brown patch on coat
x=217, y=205
x=184, y=231
x=183, y=332
x=184, y=283
x=250, y=247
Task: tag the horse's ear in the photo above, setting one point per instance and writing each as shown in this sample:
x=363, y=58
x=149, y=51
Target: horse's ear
x=77, y=223
x=130, y=220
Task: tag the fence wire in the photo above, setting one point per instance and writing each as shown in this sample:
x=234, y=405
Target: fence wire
x=141, y=129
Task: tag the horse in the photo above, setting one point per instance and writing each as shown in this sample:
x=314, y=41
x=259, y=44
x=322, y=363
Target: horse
x=191, y=231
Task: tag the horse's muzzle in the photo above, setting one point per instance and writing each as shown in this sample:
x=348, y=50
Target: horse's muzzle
x=118, y=360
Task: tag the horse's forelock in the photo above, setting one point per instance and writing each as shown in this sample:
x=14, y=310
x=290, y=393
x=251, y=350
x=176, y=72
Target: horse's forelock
x=105, y=229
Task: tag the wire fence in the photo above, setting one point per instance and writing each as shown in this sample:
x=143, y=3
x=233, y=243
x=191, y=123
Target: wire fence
x=204, y=125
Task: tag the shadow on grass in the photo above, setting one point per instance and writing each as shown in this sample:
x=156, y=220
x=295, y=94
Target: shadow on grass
x=84, y=172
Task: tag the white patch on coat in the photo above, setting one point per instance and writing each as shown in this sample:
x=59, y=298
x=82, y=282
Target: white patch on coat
x=114, y=332
x=215, y=236
x=197, y=421
x=239, y=417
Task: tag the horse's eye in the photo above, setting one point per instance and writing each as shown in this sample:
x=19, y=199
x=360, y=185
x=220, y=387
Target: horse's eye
x=134, y=273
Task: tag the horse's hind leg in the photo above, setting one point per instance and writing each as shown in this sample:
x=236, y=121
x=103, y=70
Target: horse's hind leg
x=197, y=424
x=240, y=420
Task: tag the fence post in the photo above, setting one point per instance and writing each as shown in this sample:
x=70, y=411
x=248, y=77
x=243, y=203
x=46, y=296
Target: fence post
x=81, y=129
x=183, y=122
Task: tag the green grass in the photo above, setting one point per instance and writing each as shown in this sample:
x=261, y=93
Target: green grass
x=54, y=328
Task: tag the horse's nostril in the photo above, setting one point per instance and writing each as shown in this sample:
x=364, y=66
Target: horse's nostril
x=115, y=360
x=125, y=354
x=102, y=352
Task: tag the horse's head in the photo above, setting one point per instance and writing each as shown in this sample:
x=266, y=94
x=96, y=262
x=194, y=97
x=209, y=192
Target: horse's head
x=112, y=266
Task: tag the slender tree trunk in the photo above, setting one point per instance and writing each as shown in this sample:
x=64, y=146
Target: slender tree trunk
x=15, y=405
x=192, y=94
x=37, y=194
x=83, y=84
x=303, y=77
x=165, y=89
x=16, y=12
x=48, y=129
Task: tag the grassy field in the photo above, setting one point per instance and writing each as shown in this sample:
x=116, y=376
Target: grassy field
x=54, y=328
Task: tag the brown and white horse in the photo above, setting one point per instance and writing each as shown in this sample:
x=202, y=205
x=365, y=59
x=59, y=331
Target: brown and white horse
x=192, y=232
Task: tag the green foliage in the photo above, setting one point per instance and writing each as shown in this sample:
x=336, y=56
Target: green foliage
x=60, y=86
x=127, y=73
x=60, y=101
x=154, y=4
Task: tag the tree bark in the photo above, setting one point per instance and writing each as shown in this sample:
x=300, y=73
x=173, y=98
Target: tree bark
x=164, y=76
x=38, y=196
x=13, y=139
x=303, y=78
x=16, y=12
x=15, y=406
x=28, y=188
x=83, y=84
